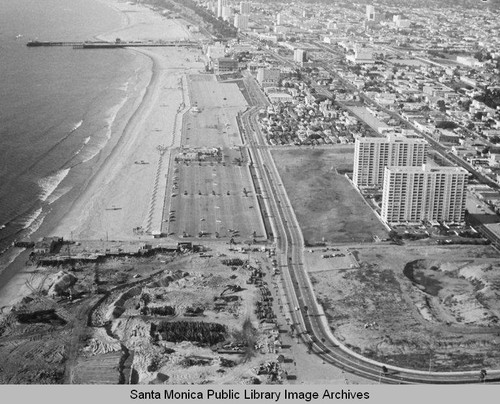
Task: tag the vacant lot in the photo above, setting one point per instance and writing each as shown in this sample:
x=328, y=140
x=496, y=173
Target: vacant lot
x=326, y=204
x=417, y=306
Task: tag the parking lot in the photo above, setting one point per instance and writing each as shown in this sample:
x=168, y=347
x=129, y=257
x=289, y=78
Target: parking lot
x=329, y=259
x=212, y=200
x=212, y=196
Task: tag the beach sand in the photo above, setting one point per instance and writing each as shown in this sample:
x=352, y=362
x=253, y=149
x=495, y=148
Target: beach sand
x=127, y=191
x=120, y=196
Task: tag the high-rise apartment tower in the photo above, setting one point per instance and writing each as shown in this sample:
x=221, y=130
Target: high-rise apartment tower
x=245, y=8
x=220, y=6
x=372, y=155
x=416, y=194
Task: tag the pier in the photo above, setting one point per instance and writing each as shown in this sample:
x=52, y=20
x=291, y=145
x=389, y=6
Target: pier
x=113, y=45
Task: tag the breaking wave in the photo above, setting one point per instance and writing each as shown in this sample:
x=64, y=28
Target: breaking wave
x=76, y=126
x=49, y=184
x=31, y=218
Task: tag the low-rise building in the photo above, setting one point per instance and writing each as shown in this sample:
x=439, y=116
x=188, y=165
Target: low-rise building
x=268, y=77
x=225, y=65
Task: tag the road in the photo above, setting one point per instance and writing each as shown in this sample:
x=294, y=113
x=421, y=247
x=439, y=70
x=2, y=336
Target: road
x=307, y=316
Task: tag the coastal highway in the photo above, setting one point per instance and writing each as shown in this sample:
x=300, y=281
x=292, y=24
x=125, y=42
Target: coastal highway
x=307, y=316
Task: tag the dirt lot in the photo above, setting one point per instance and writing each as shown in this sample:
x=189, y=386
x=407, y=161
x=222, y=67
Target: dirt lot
x=169, y=318
x=326, y=204
x=420, y=307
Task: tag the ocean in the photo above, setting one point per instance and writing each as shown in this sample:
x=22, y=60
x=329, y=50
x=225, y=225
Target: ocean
x=58, y=108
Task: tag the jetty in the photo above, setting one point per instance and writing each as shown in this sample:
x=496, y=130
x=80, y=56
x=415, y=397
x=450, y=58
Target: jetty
x=113, y=45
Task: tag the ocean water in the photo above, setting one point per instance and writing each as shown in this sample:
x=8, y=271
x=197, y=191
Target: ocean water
x=57, y=105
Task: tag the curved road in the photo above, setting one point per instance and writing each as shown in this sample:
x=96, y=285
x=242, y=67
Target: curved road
x=307, y=315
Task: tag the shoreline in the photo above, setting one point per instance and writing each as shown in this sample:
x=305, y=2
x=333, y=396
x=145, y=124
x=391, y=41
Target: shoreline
x=13, y=276
x=75, y=212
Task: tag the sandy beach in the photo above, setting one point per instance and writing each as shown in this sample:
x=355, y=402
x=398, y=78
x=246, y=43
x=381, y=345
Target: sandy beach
x=120, y=196
x=123, y=200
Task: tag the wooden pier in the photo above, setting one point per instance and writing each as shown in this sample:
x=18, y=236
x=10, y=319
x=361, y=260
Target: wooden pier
x=114, y=45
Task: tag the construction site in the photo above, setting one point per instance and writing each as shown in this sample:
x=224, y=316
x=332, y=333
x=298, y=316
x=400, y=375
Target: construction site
x=177, y=317
x=426, y=308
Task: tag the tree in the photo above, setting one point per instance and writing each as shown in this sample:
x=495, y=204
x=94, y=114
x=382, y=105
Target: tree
x=395, y=237
x=441, y=105
x=446, y=125
x=495, y=139
x=145, y=299
x=466, y=104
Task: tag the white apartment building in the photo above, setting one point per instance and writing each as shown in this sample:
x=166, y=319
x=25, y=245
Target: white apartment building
x=370, y=13
x=279, y=19
x=300, y=55
x=220, y=6
x=372, y=155
x=245, y=8
x=416, y=194
x=227, y=13
x=241, y=22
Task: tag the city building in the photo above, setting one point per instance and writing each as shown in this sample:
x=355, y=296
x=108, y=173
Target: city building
x=370, y=13
x=372, y=16
x=227, y=13
x=280, y=97
x=372, y=155
x=220, y=6
x=268, y=77
x=468, y=61
x=300, y=55
x=279, y=19
x=362, y=55
x=222, y=65
x=401, y=22
x=245, y=8
x=416, y=194
x=216, y=51
x=281, y=29
x=241, y=22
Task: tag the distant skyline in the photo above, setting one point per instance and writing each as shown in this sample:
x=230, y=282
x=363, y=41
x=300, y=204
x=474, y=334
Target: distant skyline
x=413, y=4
